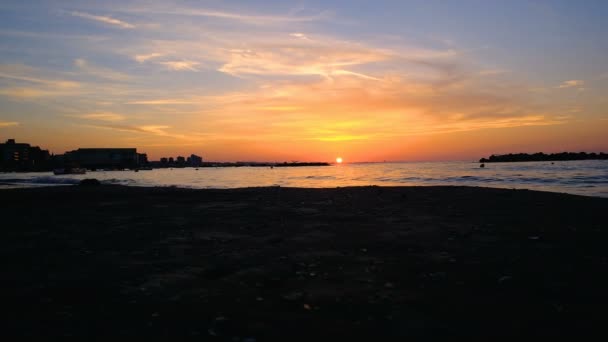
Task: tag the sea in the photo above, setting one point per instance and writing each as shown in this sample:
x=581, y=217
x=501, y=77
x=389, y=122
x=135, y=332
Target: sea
x=588, y=178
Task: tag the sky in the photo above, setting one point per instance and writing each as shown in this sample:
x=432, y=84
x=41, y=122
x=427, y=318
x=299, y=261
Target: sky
x=306, y=80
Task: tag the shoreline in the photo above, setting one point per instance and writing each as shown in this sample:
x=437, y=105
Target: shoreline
x=276, y=263
x=23, y=186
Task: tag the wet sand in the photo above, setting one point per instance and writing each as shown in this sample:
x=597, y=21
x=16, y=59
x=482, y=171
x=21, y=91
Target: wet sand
x=301, y=264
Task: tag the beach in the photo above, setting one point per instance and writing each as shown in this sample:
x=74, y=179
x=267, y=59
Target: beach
x=275, y=263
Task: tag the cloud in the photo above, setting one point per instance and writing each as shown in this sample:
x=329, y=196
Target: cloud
x=100, y=116
x=100, y=72
x=278, y=54
x=164, y=102
x=258, y=19
x=26, y=93
x=144, y=58
x=157, y=130
x=64, y=84
x=350, y=73
x=183, y=65
x=245, y=18
x=4, y=124
x=25, y=82
x=572, y=84
x=312, y=58
x=299, y=35
x=293, y=87
x=274, y=53
x=71, y=36
x=353, y=108
x=104, y=19
x=127, y=128
x=309, y=89
x=28, y=84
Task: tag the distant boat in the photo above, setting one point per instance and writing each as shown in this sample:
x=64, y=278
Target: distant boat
x=71, y=171
x=145, y=168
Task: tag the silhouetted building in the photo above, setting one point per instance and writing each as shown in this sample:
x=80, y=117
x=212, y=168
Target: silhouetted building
x=100, y=158
x=179, y=161
x=23, y=157
x=195, y=160
x=142, y=159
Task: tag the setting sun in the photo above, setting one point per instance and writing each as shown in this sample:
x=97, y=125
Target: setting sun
x=339, y=160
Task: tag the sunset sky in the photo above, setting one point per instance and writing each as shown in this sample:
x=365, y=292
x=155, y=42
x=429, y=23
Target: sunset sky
x=306, y=80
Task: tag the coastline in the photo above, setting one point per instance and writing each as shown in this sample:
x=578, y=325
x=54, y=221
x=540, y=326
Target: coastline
x=280, y=263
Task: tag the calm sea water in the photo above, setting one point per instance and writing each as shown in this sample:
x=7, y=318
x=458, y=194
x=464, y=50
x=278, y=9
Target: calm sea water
x=576, y=177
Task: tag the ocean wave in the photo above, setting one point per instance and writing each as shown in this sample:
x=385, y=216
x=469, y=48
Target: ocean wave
x=46, y=180
x=320, y=177
x=117, y=181
x=409, y=179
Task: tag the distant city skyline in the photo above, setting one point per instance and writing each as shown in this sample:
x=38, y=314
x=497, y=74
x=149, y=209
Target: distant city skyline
x=307, y=80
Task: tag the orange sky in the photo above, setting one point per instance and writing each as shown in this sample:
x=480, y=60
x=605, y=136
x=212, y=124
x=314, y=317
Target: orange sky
x=308, y=85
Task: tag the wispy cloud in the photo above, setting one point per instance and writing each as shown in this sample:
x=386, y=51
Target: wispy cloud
x=183, y=65
x=257, y=19
x=572, y=84
x=346, y=107
x=297, y=81
x=165, y=102
x=8, y=124
x=128, y=128
x=321, y=59
x=54, y=35
x=278, y=54
x=25, y=82
x=351, y=73
x=241, y=17
x=146, y=57
x=100, y=72
x=107, y=116
x=24, y=93
x=49, y=82
x=299, y=35
x=104, y=19
x=157, y=130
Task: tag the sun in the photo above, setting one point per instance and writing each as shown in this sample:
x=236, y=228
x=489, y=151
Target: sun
x=339, y=160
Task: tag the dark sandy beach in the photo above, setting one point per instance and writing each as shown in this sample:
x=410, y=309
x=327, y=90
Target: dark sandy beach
x=301, y=264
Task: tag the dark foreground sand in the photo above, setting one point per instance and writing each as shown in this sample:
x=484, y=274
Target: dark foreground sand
x=296, y=264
